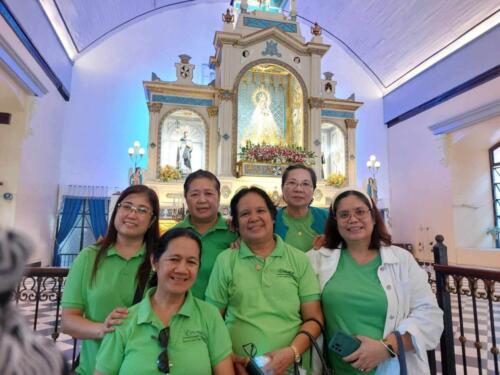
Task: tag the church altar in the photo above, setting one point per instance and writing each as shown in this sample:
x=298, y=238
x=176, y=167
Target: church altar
x=267, y=90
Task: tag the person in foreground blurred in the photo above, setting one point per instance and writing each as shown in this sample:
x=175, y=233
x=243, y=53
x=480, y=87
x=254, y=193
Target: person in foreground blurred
x=266, y=289
x=299, y=224
x=170, y=330
x=22, y=351
x=371, y=289
x=110, y=276
x=202, y=194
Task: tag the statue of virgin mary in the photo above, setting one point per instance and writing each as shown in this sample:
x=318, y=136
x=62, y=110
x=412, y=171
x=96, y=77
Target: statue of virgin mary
x=262, y=127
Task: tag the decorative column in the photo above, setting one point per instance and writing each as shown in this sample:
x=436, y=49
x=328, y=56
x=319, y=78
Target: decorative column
x=225, y=121
x=154, y=119
x=213, y=140
x=351, y=147
x=315, y=105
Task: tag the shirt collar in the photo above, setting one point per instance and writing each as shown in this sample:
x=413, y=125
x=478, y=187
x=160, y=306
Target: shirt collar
x=112, y=251
x=219, y=224
x=278, y=251
x=146, y=314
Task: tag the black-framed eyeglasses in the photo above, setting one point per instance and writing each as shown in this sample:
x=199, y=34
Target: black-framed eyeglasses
x=163, y=361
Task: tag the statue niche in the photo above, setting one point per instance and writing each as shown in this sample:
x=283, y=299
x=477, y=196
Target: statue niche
x=183, y=140
x=270, y=107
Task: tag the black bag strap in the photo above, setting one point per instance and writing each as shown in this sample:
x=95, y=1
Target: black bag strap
x=401, y=355
x=137, y=295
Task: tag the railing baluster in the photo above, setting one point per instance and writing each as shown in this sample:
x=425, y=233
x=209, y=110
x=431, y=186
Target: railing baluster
x=462, y=338
x=477, y=343
x=38, y=281
x=444, y=301
x=490, y=292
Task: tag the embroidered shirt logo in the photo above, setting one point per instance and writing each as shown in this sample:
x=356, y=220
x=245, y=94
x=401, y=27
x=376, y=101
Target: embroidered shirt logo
x=286, y=273
x=190, y=336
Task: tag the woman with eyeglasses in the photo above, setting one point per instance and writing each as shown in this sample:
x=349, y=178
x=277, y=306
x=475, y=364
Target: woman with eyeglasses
x=108, y=277
x=299, y=224
x=170, y=331
x=266, y=289
x=371, y=289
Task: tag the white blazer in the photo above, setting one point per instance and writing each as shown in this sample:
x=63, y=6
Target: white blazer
x=411, y=305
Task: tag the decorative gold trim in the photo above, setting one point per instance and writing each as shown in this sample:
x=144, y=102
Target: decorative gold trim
x=213, y=111
x=351, y=123
x=154, y=107
x=315, y=102
x=158, y=137
x=316, y=29
x=236, y=85
x=223, y=94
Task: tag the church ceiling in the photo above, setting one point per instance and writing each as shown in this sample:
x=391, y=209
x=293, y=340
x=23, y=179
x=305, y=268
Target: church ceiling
x=390, y=37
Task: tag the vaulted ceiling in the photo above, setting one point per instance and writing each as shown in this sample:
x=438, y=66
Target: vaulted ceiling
x=390, y=37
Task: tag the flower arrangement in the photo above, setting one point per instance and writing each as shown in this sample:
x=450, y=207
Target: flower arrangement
x=335, y=179
x=276, y=154
x=168, y=173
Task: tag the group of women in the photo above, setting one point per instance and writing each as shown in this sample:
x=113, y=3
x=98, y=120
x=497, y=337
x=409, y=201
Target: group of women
x=188, y=303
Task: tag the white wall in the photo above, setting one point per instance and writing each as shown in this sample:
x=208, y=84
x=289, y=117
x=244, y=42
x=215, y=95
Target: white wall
x=107, y=111
x=35, y=144
x=427, y=179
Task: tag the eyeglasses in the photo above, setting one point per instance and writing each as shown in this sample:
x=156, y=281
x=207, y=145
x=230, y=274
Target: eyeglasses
x=359, y=213
x=304, y=184
x=128, y=208
x=163, y=362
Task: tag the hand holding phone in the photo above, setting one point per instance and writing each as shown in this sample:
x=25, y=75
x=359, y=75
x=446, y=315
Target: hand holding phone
x=343, y=344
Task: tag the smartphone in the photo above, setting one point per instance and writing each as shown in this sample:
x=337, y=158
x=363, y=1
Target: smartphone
x=343, y=344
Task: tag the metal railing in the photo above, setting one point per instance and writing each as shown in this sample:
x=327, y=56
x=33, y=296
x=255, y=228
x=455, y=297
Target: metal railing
x=41, y=288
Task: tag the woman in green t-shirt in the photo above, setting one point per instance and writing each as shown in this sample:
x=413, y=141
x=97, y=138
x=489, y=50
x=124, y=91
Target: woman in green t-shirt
x=374, y=291
x=106, y=278
x=170, y=331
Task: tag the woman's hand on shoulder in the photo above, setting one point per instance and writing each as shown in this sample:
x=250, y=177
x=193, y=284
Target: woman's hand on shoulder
x=235, y=245
x=113, y=319
x=369, y=354
x=319, y=241
x=281, y=360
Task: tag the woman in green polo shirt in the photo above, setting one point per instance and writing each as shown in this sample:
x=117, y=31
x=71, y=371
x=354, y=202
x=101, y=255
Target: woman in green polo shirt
x=266, y=289
x=300, y=224
x=106, y=278
x=170, y=331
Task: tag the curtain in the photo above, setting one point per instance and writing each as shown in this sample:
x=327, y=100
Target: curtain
x=97, y=208
x=71, y=209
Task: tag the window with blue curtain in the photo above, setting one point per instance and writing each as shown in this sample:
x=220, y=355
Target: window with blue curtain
x=88, y=218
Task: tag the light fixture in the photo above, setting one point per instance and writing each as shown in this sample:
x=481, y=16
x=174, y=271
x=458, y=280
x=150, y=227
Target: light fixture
x=373, y=165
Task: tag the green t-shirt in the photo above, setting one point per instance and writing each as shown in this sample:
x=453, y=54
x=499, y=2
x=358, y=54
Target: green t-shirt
x=354, y=302
x=198, y=340
x=214, y=241
x=114, y=286
x=299, y=234
x=262, y=297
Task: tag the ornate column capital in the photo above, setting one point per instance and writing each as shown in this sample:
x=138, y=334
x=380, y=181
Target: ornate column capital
x=154, y=107
x=213, y=111
x=225, y=94
x=315, y=102
x=351, y=123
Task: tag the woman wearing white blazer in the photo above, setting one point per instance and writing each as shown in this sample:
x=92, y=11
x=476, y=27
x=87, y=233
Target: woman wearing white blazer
x=371, y=289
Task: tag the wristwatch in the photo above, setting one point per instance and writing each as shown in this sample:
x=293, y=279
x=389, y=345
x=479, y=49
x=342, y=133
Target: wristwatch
x=296, y=354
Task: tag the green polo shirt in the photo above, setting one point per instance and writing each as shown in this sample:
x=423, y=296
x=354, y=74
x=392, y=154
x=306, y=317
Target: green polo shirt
x=114, y=286
x=262, y=297
x=214, y=241
x=300, y=233
x=198, y=340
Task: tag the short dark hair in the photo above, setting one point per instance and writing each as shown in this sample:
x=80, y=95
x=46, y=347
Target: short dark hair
x=240, y=194
x=201, y=173
x=380, y=234
x=290, y=168
x=162, y=246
